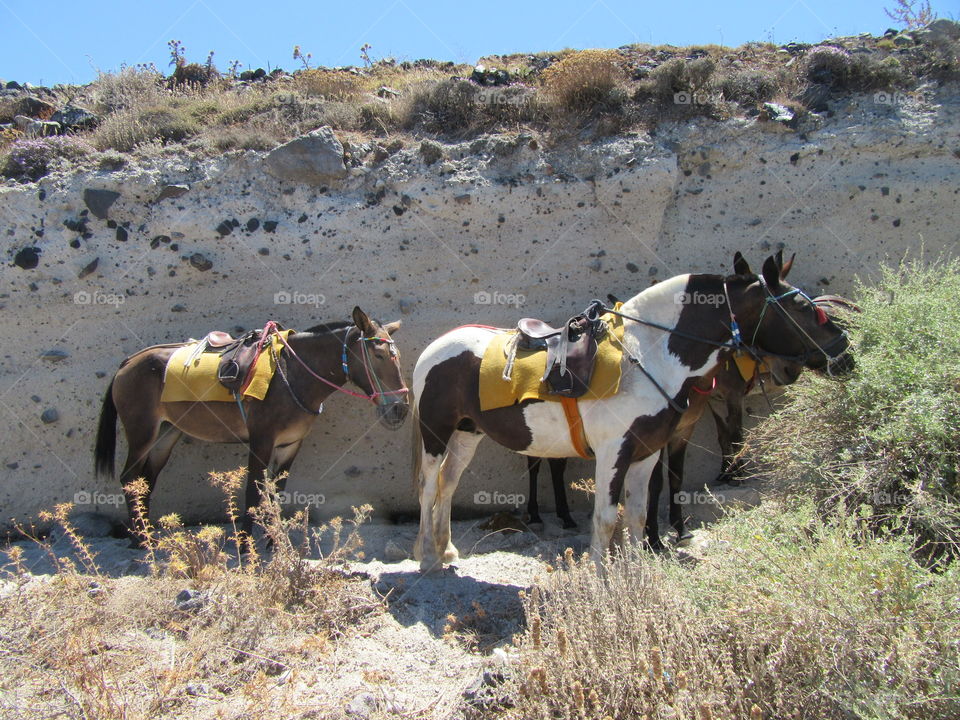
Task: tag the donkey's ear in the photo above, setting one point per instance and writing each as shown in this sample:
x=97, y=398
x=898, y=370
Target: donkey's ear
x=785, y=267
x=392, y=327
x=740, y=264
x=361, y=320
x=771, y=272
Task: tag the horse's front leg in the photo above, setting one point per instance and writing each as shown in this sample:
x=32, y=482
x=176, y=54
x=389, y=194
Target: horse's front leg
x=637, y=496
x=257, y=462
x=609, y=477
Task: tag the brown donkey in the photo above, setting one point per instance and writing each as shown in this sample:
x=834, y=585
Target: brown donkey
x=310, y=367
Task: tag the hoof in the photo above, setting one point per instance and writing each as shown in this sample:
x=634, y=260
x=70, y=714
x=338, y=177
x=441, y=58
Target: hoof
x=451, y=554
x=655, y=545
x=567, y=523
x=684, y=539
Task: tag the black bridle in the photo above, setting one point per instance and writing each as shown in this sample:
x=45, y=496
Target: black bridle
x=736, y=342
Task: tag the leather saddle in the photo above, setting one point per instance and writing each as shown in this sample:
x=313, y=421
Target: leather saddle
x=571, y=349
x=238, y=356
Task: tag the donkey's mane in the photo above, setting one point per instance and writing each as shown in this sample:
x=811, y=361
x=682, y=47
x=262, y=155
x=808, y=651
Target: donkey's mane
x=330, y=327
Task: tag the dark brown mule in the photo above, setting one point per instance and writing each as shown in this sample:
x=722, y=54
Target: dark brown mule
x=312, y=365
x=677, y=332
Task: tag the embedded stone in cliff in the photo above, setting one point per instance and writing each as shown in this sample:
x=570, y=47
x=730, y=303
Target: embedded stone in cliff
x=775, y=112
x=54, y=355
x=50, y=415
x=27, y=258
x=172, y=191
x=313, y=159
x=201, y=262
x=88, y=268
x=99, y=202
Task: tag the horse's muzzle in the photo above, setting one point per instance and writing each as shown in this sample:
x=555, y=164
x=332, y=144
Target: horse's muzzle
x=392, y=415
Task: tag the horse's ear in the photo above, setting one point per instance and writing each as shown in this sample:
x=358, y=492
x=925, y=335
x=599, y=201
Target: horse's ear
x=771, y=272
x=391, y=328
x=785, y=267
x=361, y=320
x=612, y=299
x=740, y=264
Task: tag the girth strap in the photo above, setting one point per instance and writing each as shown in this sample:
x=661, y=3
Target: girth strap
x=577, y=436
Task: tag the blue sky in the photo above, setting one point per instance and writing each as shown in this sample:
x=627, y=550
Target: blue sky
x=50, y=41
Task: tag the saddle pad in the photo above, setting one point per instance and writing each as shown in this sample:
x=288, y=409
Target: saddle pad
x=197, y=382
x=495, y=392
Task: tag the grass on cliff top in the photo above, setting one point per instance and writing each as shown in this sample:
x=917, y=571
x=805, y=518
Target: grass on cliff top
x=568, y=94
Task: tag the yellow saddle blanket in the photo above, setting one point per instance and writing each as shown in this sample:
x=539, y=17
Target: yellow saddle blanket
x=196, y=380
x=525, y=384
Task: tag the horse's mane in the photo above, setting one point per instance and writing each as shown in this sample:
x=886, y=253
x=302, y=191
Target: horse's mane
x=324, y=328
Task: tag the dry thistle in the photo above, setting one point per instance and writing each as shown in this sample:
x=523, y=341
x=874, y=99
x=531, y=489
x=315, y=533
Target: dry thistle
x=656, y=663
x=538, y=678
x=561, y=641
x=706, y=712
x=756, y=713
x=578, y=699
x=535, y=631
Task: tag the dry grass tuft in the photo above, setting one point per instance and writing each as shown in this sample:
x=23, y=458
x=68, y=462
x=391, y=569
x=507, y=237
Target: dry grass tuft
x=585, y=83
x=789, y=616
x=205, y=625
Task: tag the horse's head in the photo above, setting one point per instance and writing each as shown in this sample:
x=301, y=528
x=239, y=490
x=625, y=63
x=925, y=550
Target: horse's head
x=786, y=327
x=373, y=365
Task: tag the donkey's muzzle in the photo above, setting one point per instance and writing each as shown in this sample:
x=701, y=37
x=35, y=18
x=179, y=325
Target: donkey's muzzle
x=392, y=415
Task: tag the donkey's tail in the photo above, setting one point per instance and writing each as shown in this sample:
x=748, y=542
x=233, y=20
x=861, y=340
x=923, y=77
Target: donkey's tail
x=417, y=445
x=106, y=447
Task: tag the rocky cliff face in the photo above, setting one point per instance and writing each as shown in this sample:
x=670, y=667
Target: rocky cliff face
x=102, y=264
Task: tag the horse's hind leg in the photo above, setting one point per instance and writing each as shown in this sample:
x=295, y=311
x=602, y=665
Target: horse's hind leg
x=460, y=452
x=558, y=466
x=533, y=509
x=425, y=549
x=653, y=503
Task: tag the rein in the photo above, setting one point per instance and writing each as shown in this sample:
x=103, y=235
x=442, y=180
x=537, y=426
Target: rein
x=736, y=341
x=375, y=397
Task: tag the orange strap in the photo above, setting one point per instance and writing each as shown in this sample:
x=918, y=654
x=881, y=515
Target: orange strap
x=577, y=436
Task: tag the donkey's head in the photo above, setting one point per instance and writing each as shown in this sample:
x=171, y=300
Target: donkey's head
x=786, y=327
x=373, y=365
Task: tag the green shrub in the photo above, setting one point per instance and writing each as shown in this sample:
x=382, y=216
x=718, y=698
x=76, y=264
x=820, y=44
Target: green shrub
x=786, y=616
x=887, y=436
x=749, y=87
x=679, y=75
x=840, y=70
x=458, y=107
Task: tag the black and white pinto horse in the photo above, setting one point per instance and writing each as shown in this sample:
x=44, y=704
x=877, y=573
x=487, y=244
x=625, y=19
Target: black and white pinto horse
x=676, y=332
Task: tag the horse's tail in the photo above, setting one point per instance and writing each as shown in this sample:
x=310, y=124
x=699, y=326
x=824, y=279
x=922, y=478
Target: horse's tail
x=417, y=444
x=103, y=454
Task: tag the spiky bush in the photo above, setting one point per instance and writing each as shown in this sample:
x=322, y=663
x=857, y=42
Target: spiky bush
x=886, y=437
x=787, y=615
